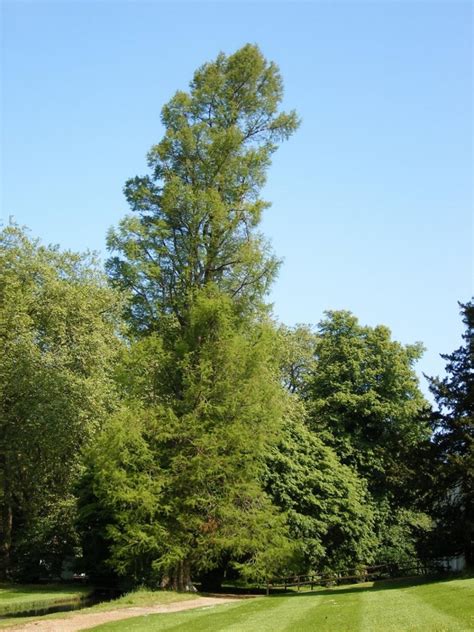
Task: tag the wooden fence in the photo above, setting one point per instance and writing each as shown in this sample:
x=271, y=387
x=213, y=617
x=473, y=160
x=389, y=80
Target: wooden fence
x=367, y=573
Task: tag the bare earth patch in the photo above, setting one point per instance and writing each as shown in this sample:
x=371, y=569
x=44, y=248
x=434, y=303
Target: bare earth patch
x=89, y=620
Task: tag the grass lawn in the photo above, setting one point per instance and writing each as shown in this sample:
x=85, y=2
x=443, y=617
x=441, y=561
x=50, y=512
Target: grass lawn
x=16, y=598
x=143, y=598
x=435, y=606
x=135, y=598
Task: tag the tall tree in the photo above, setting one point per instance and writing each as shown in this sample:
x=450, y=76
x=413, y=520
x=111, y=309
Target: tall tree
x=196, y=271
x=180, y=482
x=57, y=339
x=327, y=504
x=364, y=401
x=196, y=213
x=454, y=439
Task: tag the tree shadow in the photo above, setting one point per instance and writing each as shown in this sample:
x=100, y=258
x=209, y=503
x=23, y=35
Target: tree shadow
x=385, y=584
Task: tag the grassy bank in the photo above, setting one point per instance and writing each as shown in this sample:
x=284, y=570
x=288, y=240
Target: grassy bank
x=135, y=598
x=19, y=598
x=440, y=606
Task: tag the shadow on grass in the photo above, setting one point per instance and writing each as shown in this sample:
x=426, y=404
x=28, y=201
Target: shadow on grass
x=387, y=584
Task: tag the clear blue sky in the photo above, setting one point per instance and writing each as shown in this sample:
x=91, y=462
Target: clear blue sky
x=372, y=199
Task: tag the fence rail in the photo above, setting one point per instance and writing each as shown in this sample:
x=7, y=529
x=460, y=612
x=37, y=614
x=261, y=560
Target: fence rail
x=367, y=573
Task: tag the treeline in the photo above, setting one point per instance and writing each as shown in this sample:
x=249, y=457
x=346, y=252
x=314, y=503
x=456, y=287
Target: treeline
x=159, y=426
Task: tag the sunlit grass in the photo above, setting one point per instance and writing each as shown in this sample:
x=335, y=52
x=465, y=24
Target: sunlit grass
x=44, y=596
x=20, y=597
x=442, y=606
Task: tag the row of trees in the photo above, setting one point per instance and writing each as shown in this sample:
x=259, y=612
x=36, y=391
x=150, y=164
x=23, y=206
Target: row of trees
x=159, y=426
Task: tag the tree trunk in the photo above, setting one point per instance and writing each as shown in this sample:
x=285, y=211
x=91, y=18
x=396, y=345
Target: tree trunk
x=187, y=582
x=6, y=524
x=180, y=578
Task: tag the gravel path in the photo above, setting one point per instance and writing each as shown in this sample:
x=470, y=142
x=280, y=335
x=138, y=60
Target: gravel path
x=88, y=620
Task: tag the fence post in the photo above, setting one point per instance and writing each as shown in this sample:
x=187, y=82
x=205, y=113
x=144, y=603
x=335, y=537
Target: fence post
x=298, y=581
x=268, y=587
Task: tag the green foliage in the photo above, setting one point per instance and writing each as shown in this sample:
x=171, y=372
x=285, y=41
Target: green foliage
x=57, y=337
x=454, y=442
x=326, y=503
x=198, y=209
x=180, y=478
x=400, y=532
x=297, y=350
x=47, y=540
x=235, y=443
x=364, y=399
x=121, y=493
x=200, y=363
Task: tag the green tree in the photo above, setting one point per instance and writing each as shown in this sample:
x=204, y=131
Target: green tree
x=298, y=349
x=454, y=440
x=327, y=505
x=329, y=513
x=120, y=500
x=57, y=338
x=180, y=479
x=197, y=211
x=196, y=272
x=364, y=401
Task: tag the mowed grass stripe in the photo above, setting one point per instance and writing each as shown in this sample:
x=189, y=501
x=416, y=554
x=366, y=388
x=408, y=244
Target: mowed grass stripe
x=395, y=610
x=264, y=614
x=387, y=607
x=199, y=619
x=287, y=614
x=327, y=613
x=236, y=617
x=274, y=614
x=457, y=600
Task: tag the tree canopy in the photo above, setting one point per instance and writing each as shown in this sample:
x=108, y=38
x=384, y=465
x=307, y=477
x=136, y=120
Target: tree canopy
x=160, y=427
x=454, y=440
x=364, y=398
x=57, y=335
x=363, y=401
x=196, y=272
x=197, y=211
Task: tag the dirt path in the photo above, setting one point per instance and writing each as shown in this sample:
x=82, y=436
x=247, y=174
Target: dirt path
x=89, y=620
